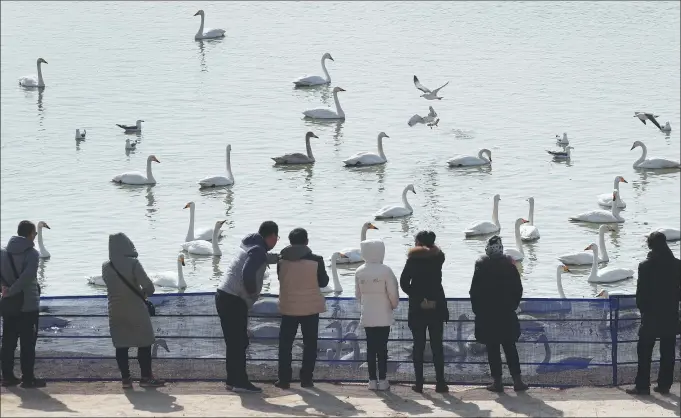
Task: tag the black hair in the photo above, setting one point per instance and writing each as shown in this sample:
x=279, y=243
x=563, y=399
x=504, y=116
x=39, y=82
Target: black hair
x=426, y=238
x=298, y=236
x=25, y=228
x=657, y=242
x=268, y=228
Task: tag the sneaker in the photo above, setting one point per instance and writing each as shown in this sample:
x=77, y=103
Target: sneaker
x=661, y=391
x=373, y=385
x=248, y=387
x=383, y=385
x=306, y=384
x=33, y=383
x=520, y=386
x=282, y=385
x=638, y=391
x=441, y=388
x=10, y=381
x=418, y=388
x=152, y=383
x=127, y=383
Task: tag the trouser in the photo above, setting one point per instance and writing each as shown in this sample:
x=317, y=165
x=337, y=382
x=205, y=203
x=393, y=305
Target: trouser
x=377, y=348
x=143, y=358
x=309, y=326
x=435, y=329
x=233, y=313
x=21, y=327
x=665, y=376
x=494, y=358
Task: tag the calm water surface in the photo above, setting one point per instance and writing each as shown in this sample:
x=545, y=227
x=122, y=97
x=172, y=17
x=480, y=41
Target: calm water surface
x=519, y=74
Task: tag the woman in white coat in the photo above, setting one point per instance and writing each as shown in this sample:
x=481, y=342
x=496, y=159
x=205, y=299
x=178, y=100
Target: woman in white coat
x=377, y=291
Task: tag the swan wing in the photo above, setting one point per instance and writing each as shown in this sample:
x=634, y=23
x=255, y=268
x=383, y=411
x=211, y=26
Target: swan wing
x=392, y=212
x=577, y=259
x=213, y=181
x=213, y=33
x=166, y=279
x=310, y=80
x=465, y=160
x=321, y=114
x=670, y=233
x=605, y=200
x=514, y=254
x=364, y=158
x=613, y=274
x=96, y=281
x=295, y=158
x=596, y=216
x=131, y=177
x=29, y=81
x=415, y=119
x=420, y=86
x=354, y=255
x=198, y=247
x=529, y=232
x=659, y=163
x=439, y=88
x=481, y=228
x=204, y=234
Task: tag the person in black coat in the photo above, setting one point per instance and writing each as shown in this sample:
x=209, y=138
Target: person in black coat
x=421, y=280
x=495, y=295
x=657, y=296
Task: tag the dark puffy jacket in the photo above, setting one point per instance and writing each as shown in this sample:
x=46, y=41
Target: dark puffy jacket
x=657, y=294
x=422, y=278
x=26, y=259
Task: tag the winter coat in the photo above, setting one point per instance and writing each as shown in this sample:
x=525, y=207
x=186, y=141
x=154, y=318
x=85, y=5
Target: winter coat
x=301, y=274
x=422, y=279
x=376, y=286
x=26, y=259
x=657, y=294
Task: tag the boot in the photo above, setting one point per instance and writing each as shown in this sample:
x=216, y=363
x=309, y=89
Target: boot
x=496, y=386
x=418, y=375
x=518, y=384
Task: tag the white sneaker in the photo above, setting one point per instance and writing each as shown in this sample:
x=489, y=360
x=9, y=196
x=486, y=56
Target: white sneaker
x=383, y=385
x=373, y=385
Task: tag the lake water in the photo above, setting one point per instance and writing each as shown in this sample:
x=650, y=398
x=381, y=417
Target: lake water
x=519, y=74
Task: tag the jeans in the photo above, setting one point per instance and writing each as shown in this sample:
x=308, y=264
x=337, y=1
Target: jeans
x=309, y=326
x=233, y=313
x=494, y=358
x=143, y=358
x=435, y=329
x=644, y=348
x=377, y=348
x=24, y=327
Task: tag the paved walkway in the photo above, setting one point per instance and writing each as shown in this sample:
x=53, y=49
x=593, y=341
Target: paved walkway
x=210, y=399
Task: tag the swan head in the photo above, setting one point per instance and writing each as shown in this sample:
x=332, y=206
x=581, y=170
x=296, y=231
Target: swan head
x=189, y=205
x=41, y=61
x=369, y=225
x=591, y=246
x=562, y=269
x=621, y=179
x=199, y=13
x=337, y=256
x=382, y=135
x=337, y=89
x=488, y=152
x=606, y=227
x=180, y=258
x=497, y=197
x=636, y=144
x=160, y=342
x=411, y=188
x=229, y=147
x=521, y=221
x=219, y=224
x=153, y=158
x=603, y=294
x=310, y=134
x=530, y=199
x=43, y=224
x=327, y=55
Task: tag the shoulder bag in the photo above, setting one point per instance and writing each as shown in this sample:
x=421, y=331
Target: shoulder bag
x=11, y=305
x=150, y=306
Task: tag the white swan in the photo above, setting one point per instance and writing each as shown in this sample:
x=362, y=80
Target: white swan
x=392, y=211
x=605, y=199
x=427, y=93
x=80, y=135
x=203, y=247
x=486, y=227
x=41, y=246
x=624, y=303
x=559, y=281
x=354, y=255
x=671, y=234
x=169, y=279
x=529, y=232
x=321, y=113
x=469, y=160
x=137, y=178
x=584, y=258
x=517, y=253
x=666, y=128
x=652, y=163
x=315, y=80
x=337, y=288
x=32, y=80
x=368, y=158
x=130, y=145
x=205, y=234
x=207, y=33
x=608, y=274
x=219, y=181
x=298, y=158
x=131, y=129
x=562, y=141
x=600, y=216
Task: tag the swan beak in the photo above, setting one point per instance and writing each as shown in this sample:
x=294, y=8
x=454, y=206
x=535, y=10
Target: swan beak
x=196, y=14
x=525, y=221
x=587, y=248
x=223, y=222
x=372, y=226
x=341, y=89
x=46, y=226
x=632, y=147
x=156, y=160
x=182, y=261
x=614, y=196
x=186, y=206
x=566, y=269
x=623, y=180
x=342, y=255
x=315, y=136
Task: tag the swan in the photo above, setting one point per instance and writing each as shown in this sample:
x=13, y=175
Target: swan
x=470, y=161
x=427, y=93
x=566, y=154
x=567, y=363
x=205, y=234
x=392, y=211
x=627, y=302
x=207, y=33
x=672, y=234
x=268, y=331
x=600, y=216
x=529, y=232
x=315, y=80
x=33, y=81
x=666, y=128
x=368, y=158
x=486, y=227
x=298, y=158
x=605, y=199
x=169, y=279
x=643, y=116
x=584, y=258
x=137, y=178
x=218, y=181
x=130, y=145
x=203, y=247
x=652, y=163
x=130, y=129
x=80, y=135
x=517, y=254
x=354, y=255
x=608, y=274
x=265, y=308
x=562, y=141
x=41, y=246
x=320, y=113
x=546, y=306
x=337, y=288
x=429, y=120
x=159, y=342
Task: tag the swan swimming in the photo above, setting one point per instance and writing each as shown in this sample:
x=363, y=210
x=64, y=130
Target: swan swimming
x=220, y=180
x=427, y=93
x=129, y=129
x=642, y=116
x=652, y=163
x=567, y=363
x=207, y=33
x=203, y=247
x=41, y=246
x=608, y=274
x=80, y=135
x=562, y=155
x=486, y=227
x=354, y=255
x=671, y=234
x=605, y=199
x=337, y=288
x=429, y=120
x=599, y=216
x=298, y=158
x=517, y=254
x=205, y=234
x=584, y=258
x=529, y=232
x=315, y=80
x=169, y=279
x=32, y=80
x=368, y=158
x=562, y=141
x=328, y=114
x=137, y=178
x=392, y=211
x=470, y=161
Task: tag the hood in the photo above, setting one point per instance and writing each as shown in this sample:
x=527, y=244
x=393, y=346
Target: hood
x=18, y=245
x=294, y=252
x=373, y=250
x=424, y=252
x=253, y=240
x=121, y=246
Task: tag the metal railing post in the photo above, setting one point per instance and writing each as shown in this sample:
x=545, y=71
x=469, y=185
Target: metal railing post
x=614, y=329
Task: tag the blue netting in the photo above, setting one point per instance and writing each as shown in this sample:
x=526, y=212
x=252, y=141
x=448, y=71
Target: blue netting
x=564, y=342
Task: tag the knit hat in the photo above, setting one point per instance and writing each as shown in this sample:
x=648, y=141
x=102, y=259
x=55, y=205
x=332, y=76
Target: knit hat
x=494, y=247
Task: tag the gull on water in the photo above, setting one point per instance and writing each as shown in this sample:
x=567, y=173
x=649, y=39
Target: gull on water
x=137, y=127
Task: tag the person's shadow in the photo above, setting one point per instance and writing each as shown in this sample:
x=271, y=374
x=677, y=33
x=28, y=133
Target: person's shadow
x=457, y=406
x=325, y=403
x=257, y=402
x=152, y=400
x=525, y=404
x=403, y=404
x=661, y=401
x=38, y=400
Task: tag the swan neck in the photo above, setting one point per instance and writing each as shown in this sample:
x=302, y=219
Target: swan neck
x=363, y=235
x=229, y=165
x=495, y=214
x=190, y=231
x=380, y=148
x=150, y=176
x=547, y=356
x=334, y=274
x=200, y=32
x=601, y=244
x=559, y=283
x=616, y=209
x=518, y=242
x=41, y=246
x=40, y=75
x=308, y=147
x=216, y=236
x=644, y=154
x=339, y=109
x=405, y=201
x=531, y=215
x=180, y=275
x=326, y=72
x=594, y=263
x=616, y=186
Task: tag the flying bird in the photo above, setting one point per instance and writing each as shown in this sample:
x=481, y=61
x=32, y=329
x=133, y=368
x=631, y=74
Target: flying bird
x=429, y=120
x=642, y=116
x=427, y=93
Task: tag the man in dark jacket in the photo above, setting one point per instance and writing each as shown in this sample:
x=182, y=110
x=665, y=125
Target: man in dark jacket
x=19, y=277
x=495, y=293
x=657, y=296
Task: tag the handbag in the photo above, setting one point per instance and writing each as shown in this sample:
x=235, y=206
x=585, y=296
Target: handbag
x=11, y=305
x=428, y=304
x=150, y=306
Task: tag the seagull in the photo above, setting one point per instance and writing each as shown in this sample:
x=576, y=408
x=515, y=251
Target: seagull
x=562, y=141
x=643, y=116
x=130, y=145
x=666, y=128
x=429, y=120
x=427, y=93
x=561, y=155
x=80, y=135
x=131, y=129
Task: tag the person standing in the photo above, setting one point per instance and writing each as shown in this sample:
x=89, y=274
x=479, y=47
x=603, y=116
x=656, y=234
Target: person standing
x=376, y=290
x=237, y=293
x=658, y=292
x=301, y=274
x=20, y=306
x=495, y=294
x=421, y=279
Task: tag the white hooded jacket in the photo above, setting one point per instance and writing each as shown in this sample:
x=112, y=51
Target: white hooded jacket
x=376, y=286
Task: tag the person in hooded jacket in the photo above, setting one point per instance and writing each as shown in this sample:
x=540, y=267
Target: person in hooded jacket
x=376, y=290
x=129, y=320
x=495, y=294
x=421, y=279
x=658, y=292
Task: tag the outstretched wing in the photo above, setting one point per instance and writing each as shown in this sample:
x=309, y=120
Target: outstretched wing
x=653, y=120
x=438, y=89
x=414, y=120
x=420, y=86
x=432, y=113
